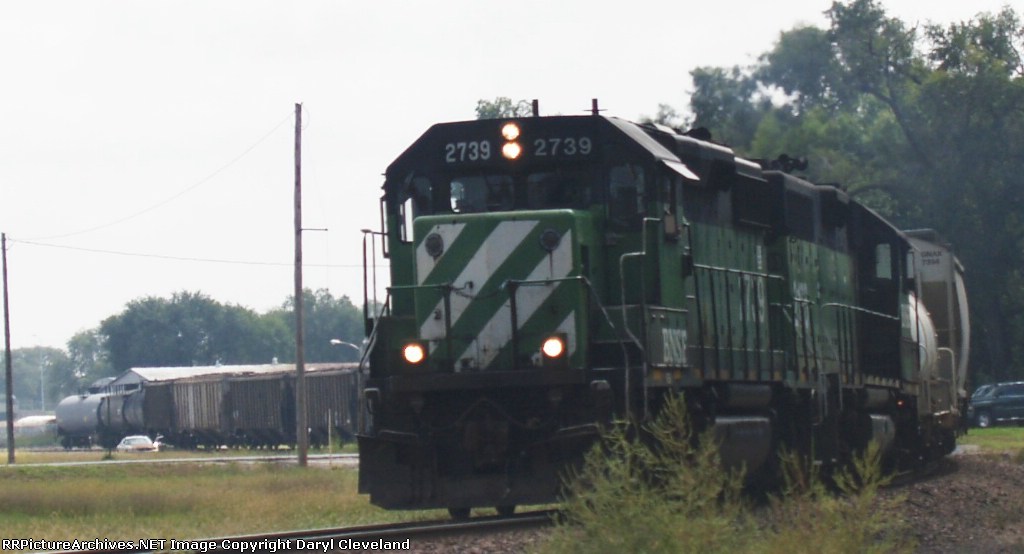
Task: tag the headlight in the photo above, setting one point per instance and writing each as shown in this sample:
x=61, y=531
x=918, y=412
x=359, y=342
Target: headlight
x=553, y=347
x=511, y=150
x=510, y=131
x=413, y=353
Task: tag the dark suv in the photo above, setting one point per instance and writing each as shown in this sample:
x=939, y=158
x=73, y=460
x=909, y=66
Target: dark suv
x=999, y=403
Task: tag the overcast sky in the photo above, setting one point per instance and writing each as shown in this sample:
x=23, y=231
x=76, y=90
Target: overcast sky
x=147, y=147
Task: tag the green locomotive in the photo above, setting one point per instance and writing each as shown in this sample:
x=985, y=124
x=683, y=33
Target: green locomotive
x=550, y=274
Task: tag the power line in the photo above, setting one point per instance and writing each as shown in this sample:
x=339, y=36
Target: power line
x=176, y=258
x=177, y=195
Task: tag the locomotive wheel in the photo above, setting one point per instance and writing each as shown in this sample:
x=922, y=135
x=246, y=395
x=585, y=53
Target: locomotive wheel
x=459, y=513
x=984, y=420
x=506, y=511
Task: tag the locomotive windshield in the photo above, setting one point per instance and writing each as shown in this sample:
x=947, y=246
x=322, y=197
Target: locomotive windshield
x=498, y=192
x=621, y=187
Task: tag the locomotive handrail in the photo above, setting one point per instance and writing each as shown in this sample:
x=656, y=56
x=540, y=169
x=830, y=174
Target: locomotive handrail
x=364, y=358
x=592, y=294
x=740, y=271
x=849, y=307
x=536, y=282
x=372, y=260
x=446, y=289
x=642, y=254
x=714, y=314
x=856, y=309
x=510, y=285
x=371, y=340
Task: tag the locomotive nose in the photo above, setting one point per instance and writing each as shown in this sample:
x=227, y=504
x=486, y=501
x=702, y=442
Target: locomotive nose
x=500, y=289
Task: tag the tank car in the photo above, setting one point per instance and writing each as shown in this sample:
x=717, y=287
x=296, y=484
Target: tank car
x=78, y=420
x=552, y=274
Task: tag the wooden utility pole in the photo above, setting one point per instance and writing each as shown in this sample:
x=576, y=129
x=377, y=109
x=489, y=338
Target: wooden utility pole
x=301, y=417
x=8, y=372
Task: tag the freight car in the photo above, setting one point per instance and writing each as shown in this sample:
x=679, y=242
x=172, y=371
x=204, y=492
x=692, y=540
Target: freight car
x=332, y=405
x=250, y=406
x=262, y=410
x=551, y=274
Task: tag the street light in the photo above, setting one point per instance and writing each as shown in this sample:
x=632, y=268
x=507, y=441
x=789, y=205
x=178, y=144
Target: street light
x=339, y=342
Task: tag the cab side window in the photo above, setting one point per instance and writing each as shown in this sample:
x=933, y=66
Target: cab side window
x=626, y=195
x=417, y=200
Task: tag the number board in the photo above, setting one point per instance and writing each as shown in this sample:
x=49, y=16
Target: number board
x=546, y=147
x=579, y=146
x=470, y=151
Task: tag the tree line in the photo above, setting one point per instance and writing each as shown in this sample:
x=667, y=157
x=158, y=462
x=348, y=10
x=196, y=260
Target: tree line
x=187, y=329
x=922, y=123
x=925, y=124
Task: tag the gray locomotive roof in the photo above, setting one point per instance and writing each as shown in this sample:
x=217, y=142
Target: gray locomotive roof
x=148, y=374
x=638, y=135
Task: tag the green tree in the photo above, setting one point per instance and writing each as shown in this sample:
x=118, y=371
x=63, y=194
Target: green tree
x=727, y=102
x=190, y=329
x=42, y=377
x=502, y=107
x=668, y=116
x=803, y=65
x=88, y=355
x=925, y=125
x=325, y=318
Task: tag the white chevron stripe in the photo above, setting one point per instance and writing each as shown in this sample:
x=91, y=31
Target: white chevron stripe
x=425, y=263
x=569, y=328
x=492, y=253
x=498, y=331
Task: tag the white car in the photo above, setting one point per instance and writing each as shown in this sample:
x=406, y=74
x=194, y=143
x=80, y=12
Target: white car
x=138, y=443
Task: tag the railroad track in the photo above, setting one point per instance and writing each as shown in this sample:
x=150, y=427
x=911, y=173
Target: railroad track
x=392, y=536
x=350, y=460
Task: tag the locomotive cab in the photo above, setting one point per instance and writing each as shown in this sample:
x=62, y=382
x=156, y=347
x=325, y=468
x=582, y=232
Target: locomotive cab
x=514, y=282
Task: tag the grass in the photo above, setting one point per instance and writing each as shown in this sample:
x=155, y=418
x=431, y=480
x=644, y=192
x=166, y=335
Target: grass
x=996, y=439
x=181, y=501
x=96, y=454
x=629, y=497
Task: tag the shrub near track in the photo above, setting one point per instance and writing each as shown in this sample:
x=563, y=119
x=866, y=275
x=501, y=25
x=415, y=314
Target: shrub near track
x=632, y=497
x=180, y=501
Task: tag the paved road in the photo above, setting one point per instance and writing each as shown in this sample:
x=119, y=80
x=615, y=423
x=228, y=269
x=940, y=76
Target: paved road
x=343, y=460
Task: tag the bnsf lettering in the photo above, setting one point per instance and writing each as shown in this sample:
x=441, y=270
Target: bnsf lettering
x=673, y=342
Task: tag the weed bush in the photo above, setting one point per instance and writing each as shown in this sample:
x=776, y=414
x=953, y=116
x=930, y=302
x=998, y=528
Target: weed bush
x=670, y=494
x=667, y=495
x=848, y=516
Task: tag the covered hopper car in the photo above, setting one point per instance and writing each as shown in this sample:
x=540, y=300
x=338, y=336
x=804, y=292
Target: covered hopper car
x=254, y=409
